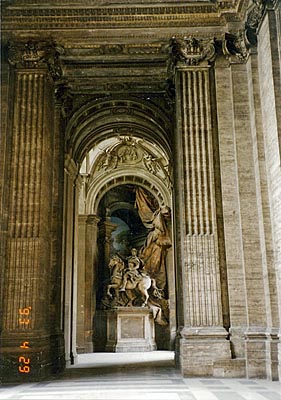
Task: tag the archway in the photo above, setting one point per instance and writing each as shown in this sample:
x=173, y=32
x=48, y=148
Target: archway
x=113, y=154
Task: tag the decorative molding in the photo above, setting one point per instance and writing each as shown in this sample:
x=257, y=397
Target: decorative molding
x=101, y=17
x=33, y=55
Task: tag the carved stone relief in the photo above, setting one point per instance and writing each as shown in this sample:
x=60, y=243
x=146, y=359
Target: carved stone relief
x=129, y=151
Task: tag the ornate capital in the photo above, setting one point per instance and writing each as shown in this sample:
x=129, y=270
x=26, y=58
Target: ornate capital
x=32, y=55
x=235, y=45
x=191, y=51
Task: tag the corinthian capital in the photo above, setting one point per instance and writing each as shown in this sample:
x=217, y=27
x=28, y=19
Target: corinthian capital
x=33, y=55
x=191, y=51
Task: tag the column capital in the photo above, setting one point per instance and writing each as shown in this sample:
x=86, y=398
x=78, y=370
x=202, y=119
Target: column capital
x=92, y=219
x=190, y=51
x=33, y=55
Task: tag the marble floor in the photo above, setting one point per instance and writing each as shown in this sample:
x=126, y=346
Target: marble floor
x=137, y=376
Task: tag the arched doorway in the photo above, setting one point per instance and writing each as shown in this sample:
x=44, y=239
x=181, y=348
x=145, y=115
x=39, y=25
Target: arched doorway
x=116, y=149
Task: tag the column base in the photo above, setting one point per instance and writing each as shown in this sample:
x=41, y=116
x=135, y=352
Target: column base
x=255, y=352
x=200, y=349
x=261, y=351
x=38, y=358
x=272, y=344
x=279, y=356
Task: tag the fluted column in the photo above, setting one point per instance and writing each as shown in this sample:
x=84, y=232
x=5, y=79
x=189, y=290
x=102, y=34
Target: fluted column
x=26, y=296
x=202, y=336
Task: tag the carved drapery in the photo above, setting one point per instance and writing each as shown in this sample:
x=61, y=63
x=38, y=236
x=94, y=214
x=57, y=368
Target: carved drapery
x=154, y=250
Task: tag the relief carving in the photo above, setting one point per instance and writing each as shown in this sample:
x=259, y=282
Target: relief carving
x=130, y=151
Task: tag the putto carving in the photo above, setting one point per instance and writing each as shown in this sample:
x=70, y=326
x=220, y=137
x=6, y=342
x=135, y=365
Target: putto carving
x=235, y=45
x=191, y=51
x=33, y=55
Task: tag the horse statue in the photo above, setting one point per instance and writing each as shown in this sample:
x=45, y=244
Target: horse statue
x=141, y=284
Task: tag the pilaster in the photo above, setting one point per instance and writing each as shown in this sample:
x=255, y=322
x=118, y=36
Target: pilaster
x=255, y=333
x=269, y=45
x=87, y=275
x=230, y=206
x=26, y=316
x=70, y=254
x=202, y=339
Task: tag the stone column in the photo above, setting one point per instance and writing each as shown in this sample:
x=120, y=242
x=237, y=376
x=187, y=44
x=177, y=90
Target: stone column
x=202, y=338
x=26, y=336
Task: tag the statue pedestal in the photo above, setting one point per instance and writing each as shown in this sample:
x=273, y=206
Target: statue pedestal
x=129, y=329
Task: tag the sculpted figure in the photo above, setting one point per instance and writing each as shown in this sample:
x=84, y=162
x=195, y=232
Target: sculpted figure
x=133, y=272
x=135, y=285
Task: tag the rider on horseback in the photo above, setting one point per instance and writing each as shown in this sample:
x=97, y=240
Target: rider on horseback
x=133, y=272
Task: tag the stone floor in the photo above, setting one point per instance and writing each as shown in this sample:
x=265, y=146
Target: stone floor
x=137, y=376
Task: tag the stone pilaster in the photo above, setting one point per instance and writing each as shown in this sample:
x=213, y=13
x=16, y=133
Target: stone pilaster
x=231, y=212
x=268, y=47
x=26, y=312
x=250, y=234
x=87, y=275
x=202, y=339
x=72, y=182
x=265, y=228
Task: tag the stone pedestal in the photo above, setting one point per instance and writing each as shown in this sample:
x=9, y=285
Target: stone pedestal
x=129, y=329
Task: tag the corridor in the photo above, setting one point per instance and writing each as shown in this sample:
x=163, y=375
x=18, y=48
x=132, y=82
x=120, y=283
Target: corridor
x=137, y=376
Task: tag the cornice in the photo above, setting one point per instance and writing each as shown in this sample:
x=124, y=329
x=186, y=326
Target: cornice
x=22, y=16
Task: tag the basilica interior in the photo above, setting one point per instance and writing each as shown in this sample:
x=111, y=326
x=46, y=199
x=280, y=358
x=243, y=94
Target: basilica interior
x=140, y=184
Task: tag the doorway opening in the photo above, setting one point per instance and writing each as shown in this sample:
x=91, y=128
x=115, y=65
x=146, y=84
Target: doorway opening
x=119, y=199
x=128, y=213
